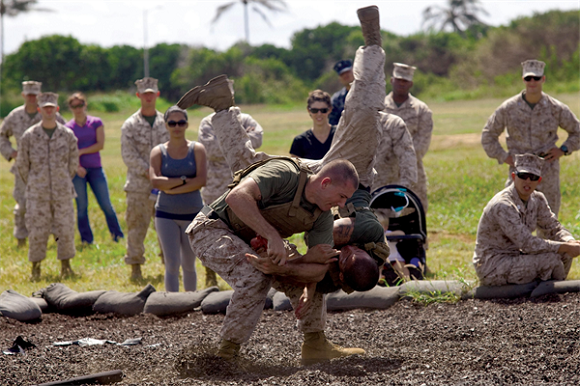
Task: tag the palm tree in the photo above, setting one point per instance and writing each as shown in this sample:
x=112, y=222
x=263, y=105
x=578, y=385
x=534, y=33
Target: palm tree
x=460, y=15
x=271, y=5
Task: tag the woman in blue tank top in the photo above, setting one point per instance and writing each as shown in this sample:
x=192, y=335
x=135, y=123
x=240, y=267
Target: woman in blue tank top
x=178, y=170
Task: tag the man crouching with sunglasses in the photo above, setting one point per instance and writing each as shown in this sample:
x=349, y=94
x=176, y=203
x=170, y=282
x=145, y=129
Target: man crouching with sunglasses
x=506, y=251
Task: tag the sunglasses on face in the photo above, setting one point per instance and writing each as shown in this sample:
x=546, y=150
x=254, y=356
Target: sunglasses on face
x=315, y=111
x=525, y=176
x=77, y=106
x=181, y=123
x=529, y=78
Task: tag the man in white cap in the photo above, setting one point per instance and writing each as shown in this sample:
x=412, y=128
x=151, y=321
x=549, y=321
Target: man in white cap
x=47, y=161
x=506, y=251
x=531, y=120
x=140, y=133
x=418, y=118
x=14, y=125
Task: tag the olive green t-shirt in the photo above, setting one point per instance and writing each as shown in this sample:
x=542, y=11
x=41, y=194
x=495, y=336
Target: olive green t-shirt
x=278, y=181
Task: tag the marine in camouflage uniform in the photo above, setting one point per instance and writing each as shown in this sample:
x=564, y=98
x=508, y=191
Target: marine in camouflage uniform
x=396, y=161
x=506, y=251
x=533, y=130
x=419, y=120
x=14, y=125
x=47, y=163
x=138, y=138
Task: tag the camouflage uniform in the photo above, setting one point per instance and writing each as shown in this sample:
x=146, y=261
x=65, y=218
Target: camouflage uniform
x=506, y=252
x=396, y=161
x=137, y=140
x=218, y=171
x=47, y=166
x=532, y=131
x=15, y=124
x=419, y=121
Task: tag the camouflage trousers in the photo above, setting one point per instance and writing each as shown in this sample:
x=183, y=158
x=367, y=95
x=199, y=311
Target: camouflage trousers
x=222, y=251
x=44, y=218
x=505, y=269
x=357, y=134
x=20, y=231
x=140, y=210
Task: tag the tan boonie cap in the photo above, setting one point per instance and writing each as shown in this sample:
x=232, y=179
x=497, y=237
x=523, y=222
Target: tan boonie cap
x=31, y=87
x=146, y=85
x=47, y=99
x=403, y=71
x=533, y=67
x=529, y=163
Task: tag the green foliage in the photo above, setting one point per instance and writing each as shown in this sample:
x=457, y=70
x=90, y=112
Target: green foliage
x=126, y=66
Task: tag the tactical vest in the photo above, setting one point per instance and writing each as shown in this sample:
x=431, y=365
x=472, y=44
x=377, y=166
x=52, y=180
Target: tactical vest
x=288, y=218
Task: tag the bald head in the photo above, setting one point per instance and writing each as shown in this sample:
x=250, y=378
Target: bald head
x=358, y=269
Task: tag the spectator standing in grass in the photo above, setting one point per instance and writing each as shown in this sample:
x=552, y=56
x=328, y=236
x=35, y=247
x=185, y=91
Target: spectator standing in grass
x=315, y=142
x=140, y=133
x=178, y=170
x=90, y=133
x=219, y=175
x=344, y=70
x=47, y=161
x=14, y=125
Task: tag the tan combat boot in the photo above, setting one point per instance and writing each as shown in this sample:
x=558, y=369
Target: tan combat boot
x=35, y=275
x=228, y=350
x=218, y=94
x=210, y=278
x=316, y=348
x=136, y=272
x=65, y=268
x=370, y=25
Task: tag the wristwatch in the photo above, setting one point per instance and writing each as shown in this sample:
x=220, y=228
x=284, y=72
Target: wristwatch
x=183, y=178
x=564, y=148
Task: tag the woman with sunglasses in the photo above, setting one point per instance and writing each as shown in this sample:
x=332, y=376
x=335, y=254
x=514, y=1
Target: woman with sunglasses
x=90, y=134
x=178, y=169
x=315, y=142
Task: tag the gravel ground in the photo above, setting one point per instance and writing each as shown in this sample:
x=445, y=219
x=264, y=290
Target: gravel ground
x=473, y=342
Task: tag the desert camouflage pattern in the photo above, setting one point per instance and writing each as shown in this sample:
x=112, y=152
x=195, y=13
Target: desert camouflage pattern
x=140, y=210
x=403, y=71
x=138, y=138
x=31, y=87
x=218, y=171
x=533, y=67
x=147, y=84
x=419, y=120
x=396, y=161
x=532, y=131
x=506, y=251
x=43, y=218
x=221, y=250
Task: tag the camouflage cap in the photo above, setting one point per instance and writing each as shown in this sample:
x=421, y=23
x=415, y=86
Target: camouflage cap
x=146, y=85
x=31, y=87
x=403, y=71
x=533, y=67
x=343, y=66
x=48, y=99
x=529, y=163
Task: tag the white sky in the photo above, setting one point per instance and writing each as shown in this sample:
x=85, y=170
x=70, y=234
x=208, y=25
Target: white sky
x=107, y=23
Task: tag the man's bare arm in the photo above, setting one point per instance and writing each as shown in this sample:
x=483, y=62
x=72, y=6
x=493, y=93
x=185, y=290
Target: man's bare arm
x=296, y=272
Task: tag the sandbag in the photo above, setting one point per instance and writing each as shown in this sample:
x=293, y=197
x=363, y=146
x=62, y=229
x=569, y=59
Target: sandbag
x=172, y=303
x=270, y=299
x=556, y=287
x=66, y=301
x=433, y=286
x=19, y=307
x=502, y=291
x=377, y=298
x=123, y=303
x=216, y=302
x=42, y=304
x=281, y=302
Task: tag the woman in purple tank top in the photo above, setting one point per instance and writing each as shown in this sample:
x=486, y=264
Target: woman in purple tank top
x=90, y=134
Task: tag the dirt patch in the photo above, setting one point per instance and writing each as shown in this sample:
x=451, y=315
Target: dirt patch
x=507, y=342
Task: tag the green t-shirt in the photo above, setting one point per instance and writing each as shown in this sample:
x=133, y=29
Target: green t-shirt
x=150, y=119
x=32, y=115
x=49, y=132
x=278, y=181
x=532, y=105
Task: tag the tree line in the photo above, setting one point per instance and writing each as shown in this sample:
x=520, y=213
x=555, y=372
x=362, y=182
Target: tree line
x=480, y=56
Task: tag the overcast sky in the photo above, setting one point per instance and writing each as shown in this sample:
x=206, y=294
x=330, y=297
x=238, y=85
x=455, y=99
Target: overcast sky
x=108, y=23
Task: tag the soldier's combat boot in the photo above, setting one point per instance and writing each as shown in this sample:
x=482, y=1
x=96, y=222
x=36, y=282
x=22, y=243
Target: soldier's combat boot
x=228, y=350
x=210, y=278
x=35, y=274
x=370, y=25
x=316, y=348
x=65, y=268
x=136, y=272
x=21, y=243
x=218, y=94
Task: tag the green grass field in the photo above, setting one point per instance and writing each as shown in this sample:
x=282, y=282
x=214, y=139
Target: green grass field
x=461, y=181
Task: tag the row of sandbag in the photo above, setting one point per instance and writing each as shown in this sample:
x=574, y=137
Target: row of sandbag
x=59, y=298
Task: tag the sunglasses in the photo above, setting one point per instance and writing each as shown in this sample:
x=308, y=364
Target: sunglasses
x=77, y=106
x=525, y=176
x=181, y=123
x=529, y=78
x=315, y=111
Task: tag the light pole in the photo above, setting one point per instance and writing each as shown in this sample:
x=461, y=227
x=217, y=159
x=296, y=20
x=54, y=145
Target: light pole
x=145, y=48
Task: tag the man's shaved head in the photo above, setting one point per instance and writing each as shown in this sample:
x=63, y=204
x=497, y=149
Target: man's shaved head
x=340, y=171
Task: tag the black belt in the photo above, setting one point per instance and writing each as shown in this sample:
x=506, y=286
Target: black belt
x=209, y=213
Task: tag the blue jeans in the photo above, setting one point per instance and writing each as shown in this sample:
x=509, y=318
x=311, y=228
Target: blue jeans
x=98, y=182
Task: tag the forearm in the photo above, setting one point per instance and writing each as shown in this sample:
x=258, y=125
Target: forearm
x=304, y=272
x=95, y=148
x=191, y=185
